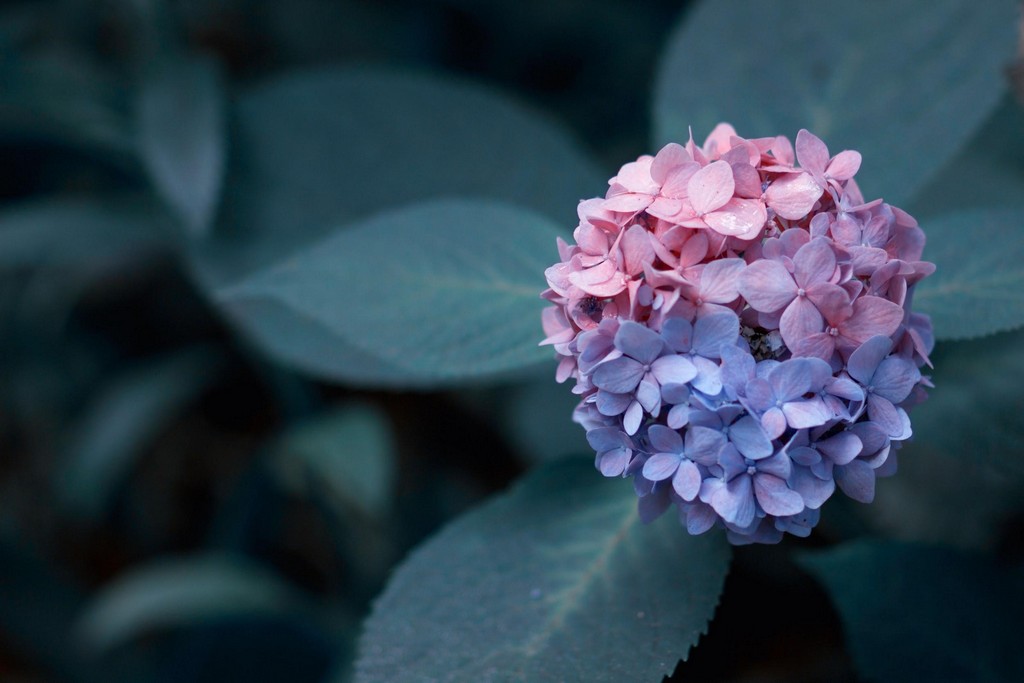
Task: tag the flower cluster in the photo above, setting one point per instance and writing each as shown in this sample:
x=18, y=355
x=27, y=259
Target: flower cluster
x=737, y=321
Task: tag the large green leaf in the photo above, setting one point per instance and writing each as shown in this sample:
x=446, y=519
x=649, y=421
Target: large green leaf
x=906, y=83
x=315, y=150
x=919, y=613
x=182, y=137
x=556, y=580
x=978, y=287
x=988, y=172
x=973, y=413
x=439, y=292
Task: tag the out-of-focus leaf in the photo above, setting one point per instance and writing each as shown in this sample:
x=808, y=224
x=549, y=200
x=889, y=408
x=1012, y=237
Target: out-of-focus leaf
x=556, y=580
x=127, y=413
x=435, y=293
x=905, y=83
x=973, y=413
x=919, y=613
x=537, y=418
x=177, y=593
x=316, y=150
x=64, y=97
x=89, y=232
x=978, y=287
x=182, y=137
x=351, y=451
x=988, y=172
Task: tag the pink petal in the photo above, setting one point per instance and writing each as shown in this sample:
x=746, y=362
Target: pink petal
x=821, y=345
x=627, y=203
x=844, y=165
x=814, y=262
x=767, y=286
x=718, y=142
x=603, y=280
x=800, y=319
x=636, y=249
x=711, y=187
x=792, y=196
x=719, y=280
x=811, y=152
x=872, y=315
x=747, y=181
x=670, y=156
x=742, y=218
x=636, y=176
x=678, y=180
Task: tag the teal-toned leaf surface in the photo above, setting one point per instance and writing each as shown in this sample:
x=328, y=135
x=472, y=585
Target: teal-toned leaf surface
x=178, y=593
x=63, y=96
x=988, y=172
x=556, y=580
x=905, y=83
x=432, y=294
x=349, y=450
x=537, y=418
x=973, y=413
x=919, y=613
x=81, y=231
x=125, y=415
x=182, y=137
x=315, y=150
x=978, y=287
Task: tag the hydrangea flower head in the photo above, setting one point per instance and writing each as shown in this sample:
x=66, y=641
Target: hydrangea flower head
x=737, y=321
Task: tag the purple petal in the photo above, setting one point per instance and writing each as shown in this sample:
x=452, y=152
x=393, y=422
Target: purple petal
x=882, y=412
x=792, y=378
x=664, y=439
x=661, y=466
x=674, y=394
x=867, y=357
x=735, y=502
x=804, y=455
x=654, y=505
x=775, y=496
x=700, y=518
x=713, y=331
x=774, y=423
x=631, y=420
x=678, y=334
x=612, y=404
x=619, y=376
x=749, y=438
x=778, y=465
x=638, y=341
x=673, y=369
x=857, y=480
x=604, y=439
x=813, y=490
x=703, y=444
x=613, y=463
x=679, y=416
x=894, y=378
x=841, y=448
x=686, y=481
x=806, y=413
x=767, y=286
x=709, y=376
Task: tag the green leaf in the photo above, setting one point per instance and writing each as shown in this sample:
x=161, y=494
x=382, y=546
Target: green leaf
x=978, y=287
x=319, y=149
x=125, y=415
x=75, y=232
x=182, y=137
x=350, y=450
x=918, y=613
x=988, y=172
x=179, y=593
x=973, y=413
x=556, y=580
x=431, y=294
x=905, y=83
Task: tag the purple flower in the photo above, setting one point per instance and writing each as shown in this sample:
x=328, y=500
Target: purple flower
x=670, y=460
x=887, y=381
x=779, y=397
x=744, y=480
x=701, y=343
x=614, y=450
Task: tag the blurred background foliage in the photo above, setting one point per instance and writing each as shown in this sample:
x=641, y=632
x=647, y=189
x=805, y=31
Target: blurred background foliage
x=179, y=504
